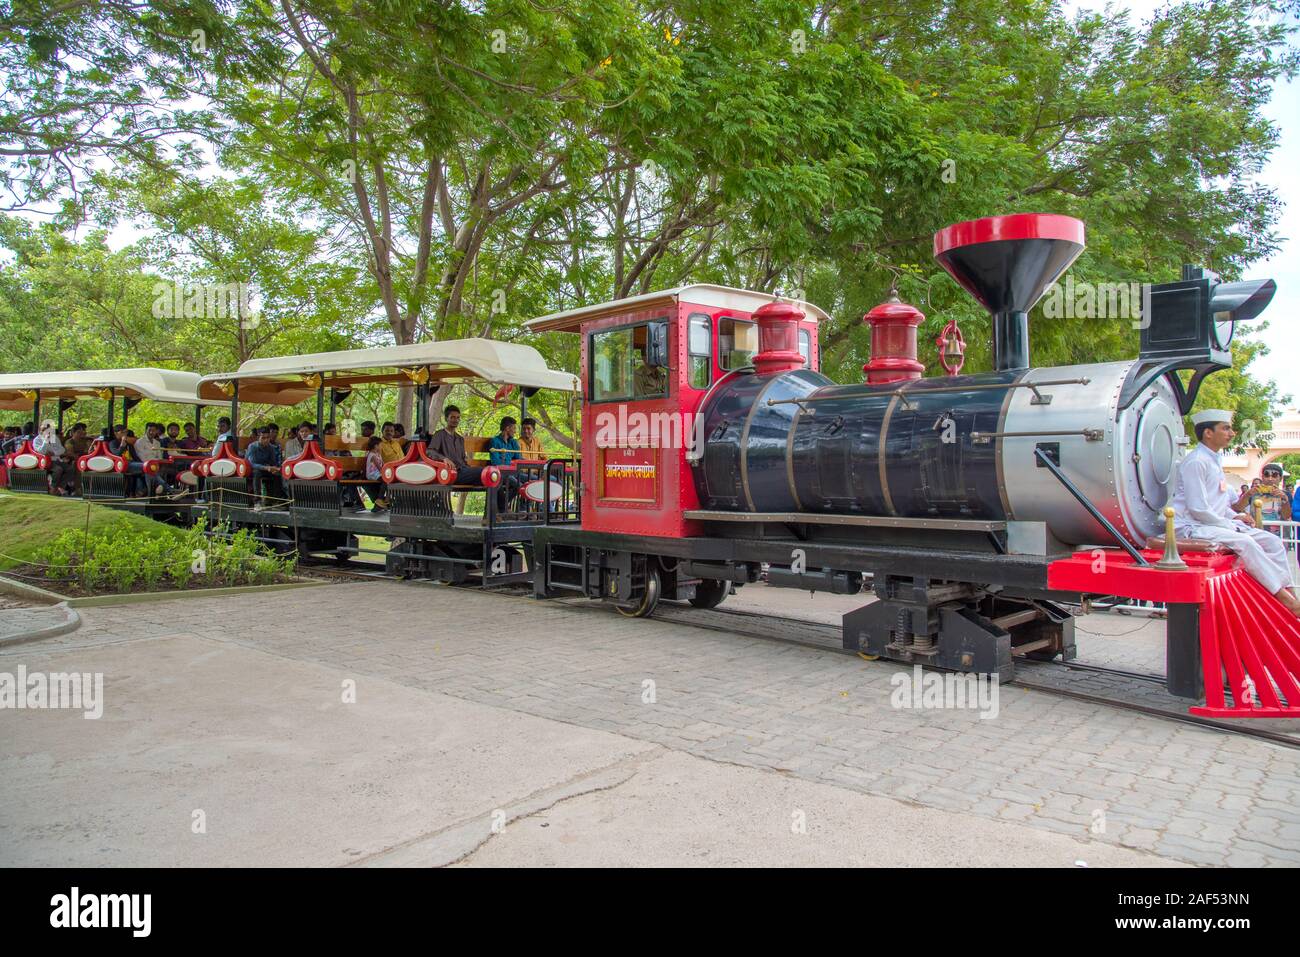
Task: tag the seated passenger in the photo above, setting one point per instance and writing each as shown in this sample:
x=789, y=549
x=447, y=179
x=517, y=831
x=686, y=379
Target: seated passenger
x=47, y=440
x=294, y=445
x=224, y=434
x=148, y=448
x=171, y=439
x=49, y=443
x=64, y=473
x=192, y=441
x=374, y=484
x=448, y=445
x=1203, y=508
x=504, y=447
x=390, y=448
x=123, y=445
x=529, y=443
x=265, y=461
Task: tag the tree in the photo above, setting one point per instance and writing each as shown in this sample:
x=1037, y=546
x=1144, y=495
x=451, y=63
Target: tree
x=87, y=82
x=1235, y=389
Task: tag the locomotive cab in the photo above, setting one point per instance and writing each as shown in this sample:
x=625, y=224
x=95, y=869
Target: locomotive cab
x=647, y=364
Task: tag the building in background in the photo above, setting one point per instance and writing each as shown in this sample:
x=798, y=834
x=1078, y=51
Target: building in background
x=1245, y=467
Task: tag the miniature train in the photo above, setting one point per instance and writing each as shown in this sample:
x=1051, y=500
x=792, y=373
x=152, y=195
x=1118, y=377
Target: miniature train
x=714, y=453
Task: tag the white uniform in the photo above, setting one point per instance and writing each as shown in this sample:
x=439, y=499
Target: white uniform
x=1203, y=503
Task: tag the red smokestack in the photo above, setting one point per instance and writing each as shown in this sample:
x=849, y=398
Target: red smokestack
x=1007, y=262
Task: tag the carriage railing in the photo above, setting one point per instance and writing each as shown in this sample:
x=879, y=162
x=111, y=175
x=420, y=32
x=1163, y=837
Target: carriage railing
x=567, y=507
x=538, y=492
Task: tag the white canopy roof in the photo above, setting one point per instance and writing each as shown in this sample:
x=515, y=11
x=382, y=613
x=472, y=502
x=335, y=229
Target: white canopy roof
x=702, y=294
x=160, y=385
x=285, y=380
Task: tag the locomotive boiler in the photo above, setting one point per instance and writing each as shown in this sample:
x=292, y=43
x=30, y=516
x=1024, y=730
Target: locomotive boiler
x=1089, y=450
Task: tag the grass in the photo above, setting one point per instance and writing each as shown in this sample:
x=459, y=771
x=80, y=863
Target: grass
x=371, y=541
x=29, y=522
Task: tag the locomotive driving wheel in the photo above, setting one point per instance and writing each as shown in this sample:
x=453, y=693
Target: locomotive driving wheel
x=710, y=592
x=645, y=606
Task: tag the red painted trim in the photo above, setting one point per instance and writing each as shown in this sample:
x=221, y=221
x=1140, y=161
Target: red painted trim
x=42, y=460
x=100, y=447
x=1113, y=572
x=224, y=451
x=416, y=452
x=311, y=453
x=1016, y=226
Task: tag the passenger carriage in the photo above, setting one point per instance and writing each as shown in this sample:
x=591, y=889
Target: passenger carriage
x=102, y=474
x=430, y=537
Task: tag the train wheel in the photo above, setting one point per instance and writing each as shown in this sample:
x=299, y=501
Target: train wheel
x=649, y=598
x=709, y=593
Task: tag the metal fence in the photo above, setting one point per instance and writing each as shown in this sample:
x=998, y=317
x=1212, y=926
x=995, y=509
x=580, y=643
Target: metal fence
x=1290, y=532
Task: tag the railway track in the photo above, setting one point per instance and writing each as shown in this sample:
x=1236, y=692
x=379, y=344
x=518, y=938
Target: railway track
x=1041, y=676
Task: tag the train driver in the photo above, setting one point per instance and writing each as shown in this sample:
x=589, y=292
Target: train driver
x=1203, y=508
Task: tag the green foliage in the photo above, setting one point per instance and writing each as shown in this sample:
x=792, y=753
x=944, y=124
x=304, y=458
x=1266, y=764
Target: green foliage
x=1237, y=390
x=28, y=522
x=421, y=170
x=122, y=558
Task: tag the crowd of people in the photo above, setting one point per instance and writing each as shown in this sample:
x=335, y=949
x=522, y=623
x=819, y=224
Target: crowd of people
x=64, y=448
x=381, y=444
x=269, y=447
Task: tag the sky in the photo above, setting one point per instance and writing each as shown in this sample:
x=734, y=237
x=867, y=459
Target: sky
x=1284, y=266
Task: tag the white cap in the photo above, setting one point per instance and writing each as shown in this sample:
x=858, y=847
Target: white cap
x=1212, y=415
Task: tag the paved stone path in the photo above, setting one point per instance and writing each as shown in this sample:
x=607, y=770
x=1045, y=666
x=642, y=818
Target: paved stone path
x=23, y=623
x=1055, y=764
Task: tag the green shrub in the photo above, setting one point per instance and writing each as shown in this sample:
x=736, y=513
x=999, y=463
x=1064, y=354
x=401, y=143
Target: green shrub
x=122, y=558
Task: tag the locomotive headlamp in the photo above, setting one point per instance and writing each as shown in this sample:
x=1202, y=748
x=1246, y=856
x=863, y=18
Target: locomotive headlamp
x=893, y=342
x=1233, y=302
x=1191, y=322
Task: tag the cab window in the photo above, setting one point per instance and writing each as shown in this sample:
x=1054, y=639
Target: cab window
x=618, y=367
x=805, y=347
x=737, y=343
x=699, y=348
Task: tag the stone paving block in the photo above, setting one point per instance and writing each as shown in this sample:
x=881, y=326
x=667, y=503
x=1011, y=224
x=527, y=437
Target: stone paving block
x=817, y=715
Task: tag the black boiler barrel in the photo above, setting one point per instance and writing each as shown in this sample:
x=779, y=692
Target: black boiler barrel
x=903, y=449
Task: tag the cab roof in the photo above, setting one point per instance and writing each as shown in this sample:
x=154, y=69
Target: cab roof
x=703, y=294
